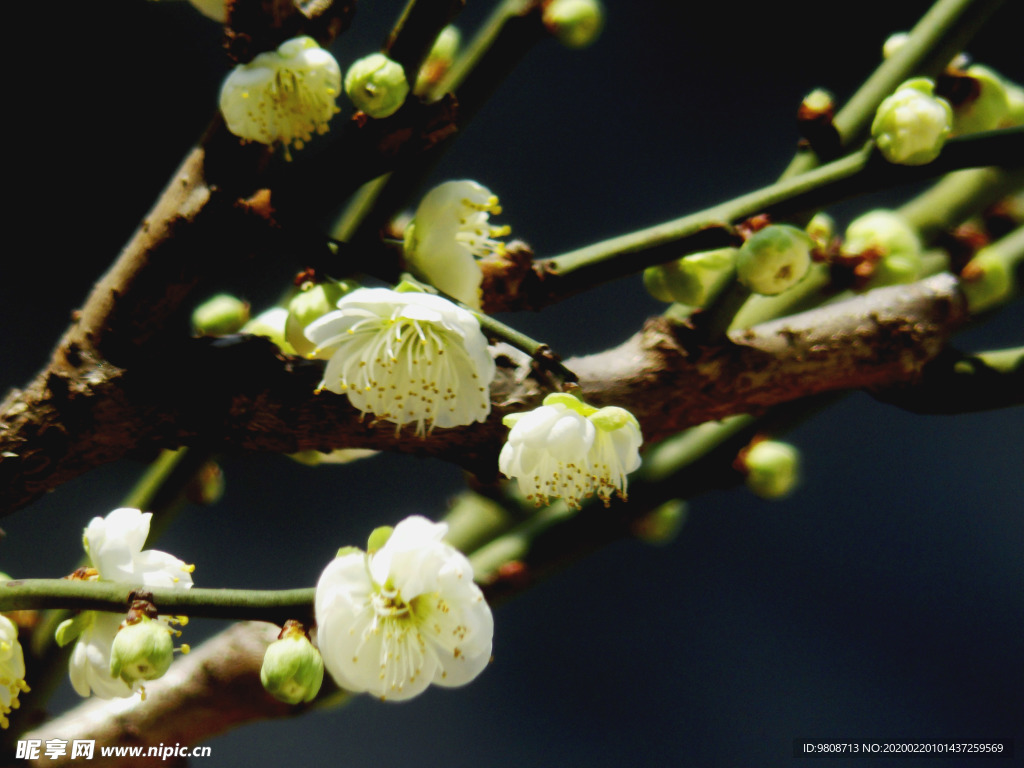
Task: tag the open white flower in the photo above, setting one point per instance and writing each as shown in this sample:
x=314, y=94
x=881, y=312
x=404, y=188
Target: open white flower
x=570, y=450
x=12, y=669
x=393, y=621
x=114, y=546
x=406, y=357
x=447, y=234
x=282, y=96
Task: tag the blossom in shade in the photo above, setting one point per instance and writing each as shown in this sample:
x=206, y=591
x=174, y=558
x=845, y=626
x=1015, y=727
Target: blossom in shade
x=449, y=231
x=114, y=546
x=12, y=669
x=393, y=620
x=570, y=450
x=406, y=357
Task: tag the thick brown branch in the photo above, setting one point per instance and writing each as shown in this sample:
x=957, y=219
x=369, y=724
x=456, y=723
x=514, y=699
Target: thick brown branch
x=238, y=394
x=213, y=689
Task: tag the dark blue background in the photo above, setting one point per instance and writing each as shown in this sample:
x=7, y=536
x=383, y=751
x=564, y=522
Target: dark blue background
x=883, y=601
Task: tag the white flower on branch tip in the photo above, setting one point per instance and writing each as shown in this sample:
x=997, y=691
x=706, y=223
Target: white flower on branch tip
x=12, y=669
x=282, y=96
x=114, y=546
x=392, y=621
x=570, y=450
x=406, y=357
x=449, y=231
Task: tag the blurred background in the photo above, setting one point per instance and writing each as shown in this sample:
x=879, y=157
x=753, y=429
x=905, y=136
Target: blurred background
x=883, y=601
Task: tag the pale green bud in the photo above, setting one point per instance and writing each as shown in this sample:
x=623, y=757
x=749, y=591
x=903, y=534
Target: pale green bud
x=293, y=669
x=886, y=234
x=986, y=109
x=773, y=468
x=912, y=125
x=141, y=651
x=222, y=314
x=214, y=9
x=986, y=280
x=694, y=279
x=271, y=324
x=1014, y=106
x=576, y=23
x=661, y=525
x=893, y=43
x=376, y=85
x=821, y=229
x=69, y=629
x=439, y=60
x=774, y=259
x=312, y=303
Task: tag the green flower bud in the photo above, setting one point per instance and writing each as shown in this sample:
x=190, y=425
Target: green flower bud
x=986, y=108
x=661, y=525
x=893, y=43
x=312, y=303
x=912, y=125
x=376, y=85
x=694, y=279
x=1014, y=106
x=576, y=23
x=774, y=259
x=821, y=229
x=439, y=60
x=214, y=9
x=773, y=468
x=293, y=669
x=141, y=651
x=887, y=235
x=987, y=280
x=69, y=629
x=220, y=315
x=271, y=324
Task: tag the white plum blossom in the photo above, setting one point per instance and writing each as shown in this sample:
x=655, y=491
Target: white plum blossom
x=406, y=357
x=570, y=450
x=12, y=669
x=449, y=231
x=114, y=546
x=282, y=96
x=392, y=621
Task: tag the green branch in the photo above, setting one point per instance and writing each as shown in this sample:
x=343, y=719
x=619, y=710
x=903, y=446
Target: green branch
x=274, y=605
x=855, y=174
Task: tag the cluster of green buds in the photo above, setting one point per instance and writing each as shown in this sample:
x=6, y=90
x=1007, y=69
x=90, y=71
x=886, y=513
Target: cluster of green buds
x=376, y=85
x=293, y=669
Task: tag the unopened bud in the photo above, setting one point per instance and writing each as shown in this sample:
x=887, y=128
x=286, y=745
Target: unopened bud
x=694, y=279
x=576, y=23
x=293, y=669
x=312, y=303
x=986, y=280
x=220, y=315
x=376, y=85
x=439, y=60
x=893, y=43
x=271, y=324
x=141, y=651
x=821, y=229
x=886, y=236
x=986, y=107
x=912, y=125
x=214, y=9
x=774, y=259
x=661, y=525
x=773, y=468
